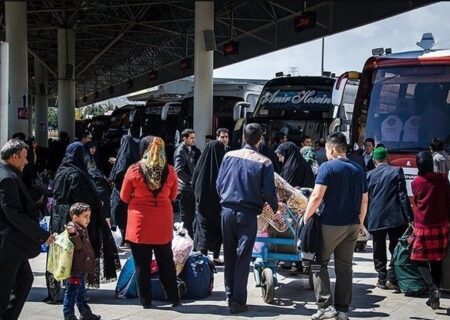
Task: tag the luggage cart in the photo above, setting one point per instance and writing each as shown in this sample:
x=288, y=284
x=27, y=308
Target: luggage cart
x=266, y=261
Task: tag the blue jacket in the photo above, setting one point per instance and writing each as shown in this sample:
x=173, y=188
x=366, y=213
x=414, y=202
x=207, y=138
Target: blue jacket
x=246, y=181
x=389, y=205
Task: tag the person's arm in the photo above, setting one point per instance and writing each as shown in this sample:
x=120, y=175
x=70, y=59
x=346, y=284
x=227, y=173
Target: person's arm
x=11, y=205
x=363, y=209
x=174, y=187
x=126, y=193
x=314, y=201
x=403, y=195
x=269, y=190
x=180, y=164
x=220, y=176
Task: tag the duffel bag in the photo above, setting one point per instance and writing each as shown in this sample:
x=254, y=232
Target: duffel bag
x=406, y=271
x=198, y=274
x=158, y=292
x=126, y=284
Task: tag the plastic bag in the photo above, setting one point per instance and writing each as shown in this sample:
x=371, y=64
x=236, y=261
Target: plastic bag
x=60, y=256
x=45, y=224
x=181, y=246
x=117, y=235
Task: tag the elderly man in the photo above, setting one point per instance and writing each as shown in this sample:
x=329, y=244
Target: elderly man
x=388, y=214
x=20, y=233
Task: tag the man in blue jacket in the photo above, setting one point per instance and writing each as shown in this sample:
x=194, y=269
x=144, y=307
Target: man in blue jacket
x=245, y=182
x=388, y=214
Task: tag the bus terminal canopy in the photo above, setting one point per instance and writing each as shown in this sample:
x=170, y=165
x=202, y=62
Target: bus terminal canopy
x=125, y=46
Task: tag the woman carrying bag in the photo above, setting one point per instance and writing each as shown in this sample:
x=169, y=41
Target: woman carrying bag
x=149, y=187
x=431, y=230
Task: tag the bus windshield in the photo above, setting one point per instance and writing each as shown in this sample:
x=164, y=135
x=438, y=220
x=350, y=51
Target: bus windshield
x=409, y=106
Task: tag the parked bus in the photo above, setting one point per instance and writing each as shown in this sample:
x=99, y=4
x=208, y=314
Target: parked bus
x=403, y=102
x=299, y=106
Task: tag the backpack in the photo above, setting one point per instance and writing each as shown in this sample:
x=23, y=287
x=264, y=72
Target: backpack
x=126, y=284
x=198, y=274
x=406, y=271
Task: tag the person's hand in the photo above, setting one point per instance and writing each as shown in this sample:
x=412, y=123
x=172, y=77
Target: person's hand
x=50, y=239
x=108, y=221
x=112, y=160
x=362, y=230
x=70, y=229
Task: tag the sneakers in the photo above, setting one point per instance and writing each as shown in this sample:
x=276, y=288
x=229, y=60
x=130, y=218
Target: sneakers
x=237, y=307
x=392, y=285
x=325, y=313
x=342, y=315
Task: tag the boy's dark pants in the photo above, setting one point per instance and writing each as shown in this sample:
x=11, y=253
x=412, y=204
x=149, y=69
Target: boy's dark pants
x=74, y=294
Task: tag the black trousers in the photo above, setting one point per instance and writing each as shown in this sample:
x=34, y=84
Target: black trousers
x=142, y=254
x=239, y=234
x=187, y=210
x=380, y=254
x=16, y=278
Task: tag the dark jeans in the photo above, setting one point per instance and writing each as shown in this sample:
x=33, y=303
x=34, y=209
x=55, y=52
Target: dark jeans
x=187, y=210
x=16, y=278
x=74, y=294
x=379, y=251
x=239, y=233
x=142, y=255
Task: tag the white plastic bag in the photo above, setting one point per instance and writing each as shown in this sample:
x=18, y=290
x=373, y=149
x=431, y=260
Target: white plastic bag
x=181, y=246
x=117, y=235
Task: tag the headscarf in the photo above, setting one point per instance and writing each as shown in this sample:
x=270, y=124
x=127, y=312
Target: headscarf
x=296, y=170
x=264, y=149
x=90, y=159
x=144, y=144
x=128, y=154
x=75, y=154
x=153, y=164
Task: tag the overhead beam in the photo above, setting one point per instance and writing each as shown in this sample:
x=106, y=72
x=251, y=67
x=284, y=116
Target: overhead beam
x=105, y=49
x=43, y=63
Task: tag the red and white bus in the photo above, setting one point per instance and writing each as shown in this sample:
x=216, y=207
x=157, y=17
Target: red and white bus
x=403, y=102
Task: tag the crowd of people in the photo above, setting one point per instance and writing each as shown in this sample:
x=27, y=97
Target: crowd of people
x=219, y=194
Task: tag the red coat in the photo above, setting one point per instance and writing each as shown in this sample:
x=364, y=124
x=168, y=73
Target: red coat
x=149, y=221
x=432, y=199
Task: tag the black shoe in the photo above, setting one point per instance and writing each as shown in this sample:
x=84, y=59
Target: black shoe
x=176, y=304
x=382, y=284
x=147, y=306
x=72, y=317
x=434, y=299
x=237, y=307
x=392, y=285
x=90, y=316
x=218, y=262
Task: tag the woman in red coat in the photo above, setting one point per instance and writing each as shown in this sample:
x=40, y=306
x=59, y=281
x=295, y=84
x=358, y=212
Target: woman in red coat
x=149, y=187
x=431, y=230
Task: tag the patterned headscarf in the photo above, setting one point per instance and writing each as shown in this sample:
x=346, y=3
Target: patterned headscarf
x=309, y=154
x=153, y=164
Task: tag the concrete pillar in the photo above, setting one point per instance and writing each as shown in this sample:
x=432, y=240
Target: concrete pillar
x=41, y=104
x=16, y=36
x=203, y=72
x=4, y=72
x=66, y=81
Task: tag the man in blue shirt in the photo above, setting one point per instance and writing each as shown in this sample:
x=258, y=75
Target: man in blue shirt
x=245, y=182
x=341, y=188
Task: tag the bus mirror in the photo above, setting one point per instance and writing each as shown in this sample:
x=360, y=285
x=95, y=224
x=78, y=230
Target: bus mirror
x=335, y=125
x=165, y=111
x=240, y=110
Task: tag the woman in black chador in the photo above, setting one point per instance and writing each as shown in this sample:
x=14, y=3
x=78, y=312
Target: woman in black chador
x=296, y=171
x=128, y=154
x=208, y=232
x=73, y=184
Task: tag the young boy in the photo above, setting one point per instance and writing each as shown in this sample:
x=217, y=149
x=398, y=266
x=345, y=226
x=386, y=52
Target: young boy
x=82, y=264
